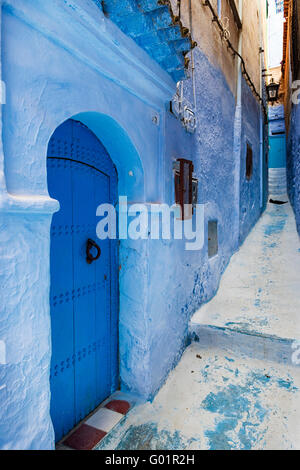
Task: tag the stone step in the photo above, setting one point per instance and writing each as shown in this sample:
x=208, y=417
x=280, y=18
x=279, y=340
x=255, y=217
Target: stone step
x=252, y=344
x=214, y=400
x=277, y=180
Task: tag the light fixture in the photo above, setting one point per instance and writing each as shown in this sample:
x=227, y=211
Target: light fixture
x=273, y=91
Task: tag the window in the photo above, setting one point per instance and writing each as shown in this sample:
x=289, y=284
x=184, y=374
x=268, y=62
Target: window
x=249, y=162
x=213, y=244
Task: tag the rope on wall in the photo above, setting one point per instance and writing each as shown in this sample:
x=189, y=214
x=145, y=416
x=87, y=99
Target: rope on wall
x=236, y=53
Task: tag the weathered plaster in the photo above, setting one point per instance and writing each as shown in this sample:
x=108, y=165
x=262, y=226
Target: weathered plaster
x=250, y=297
x=293, y=163
x=25, y=327
x=155, y=28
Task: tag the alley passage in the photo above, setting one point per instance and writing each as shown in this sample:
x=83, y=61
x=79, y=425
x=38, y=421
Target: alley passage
x=236, y=386
x=259, y=291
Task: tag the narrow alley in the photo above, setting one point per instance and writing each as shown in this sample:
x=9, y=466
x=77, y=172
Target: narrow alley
x=236, y=387
x=259, y=292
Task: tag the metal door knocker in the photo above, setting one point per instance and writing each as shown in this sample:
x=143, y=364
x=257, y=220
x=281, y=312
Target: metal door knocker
x=89, y=245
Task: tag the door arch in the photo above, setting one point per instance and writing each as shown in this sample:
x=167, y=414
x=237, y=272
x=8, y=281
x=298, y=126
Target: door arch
x=83, y=295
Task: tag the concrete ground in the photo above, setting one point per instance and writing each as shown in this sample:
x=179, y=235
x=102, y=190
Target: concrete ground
x=238, y=387
x=216, y=402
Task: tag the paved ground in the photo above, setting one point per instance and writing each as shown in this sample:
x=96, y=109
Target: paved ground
x=259, y=291
x=215, y=401
x=222, y=398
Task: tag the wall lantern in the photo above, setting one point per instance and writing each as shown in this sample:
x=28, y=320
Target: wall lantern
x=273, y=91
x=186, y=187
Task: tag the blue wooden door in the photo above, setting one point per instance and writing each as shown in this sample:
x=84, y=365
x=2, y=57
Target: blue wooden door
x=83, y=296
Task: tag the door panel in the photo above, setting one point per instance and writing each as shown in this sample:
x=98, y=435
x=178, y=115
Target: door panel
x=84, y=211
x=102, y=298
x=81, y=176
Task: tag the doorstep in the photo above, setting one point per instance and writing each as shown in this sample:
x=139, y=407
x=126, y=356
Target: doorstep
x=88, y=434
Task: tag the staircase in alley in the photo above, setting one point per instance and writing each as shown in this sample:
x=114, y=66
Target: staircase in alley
x=257, y=308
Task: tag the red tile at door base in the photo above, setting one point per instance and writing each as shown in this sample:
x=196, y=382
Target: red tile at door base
x=120, y=406
x=84, y=438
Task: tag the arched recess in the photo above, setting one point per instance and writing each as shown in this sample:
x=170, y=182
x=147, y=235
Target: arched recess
x=132, y=273
x=133, y=255
x=121, y=151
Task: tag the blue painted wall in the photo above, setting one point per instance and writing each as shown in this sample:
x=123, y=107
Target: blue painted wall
x=193, y=278
x=63, y=60
x=293, y=162
x=250, y=208
x=277, y=138
x=276, y=119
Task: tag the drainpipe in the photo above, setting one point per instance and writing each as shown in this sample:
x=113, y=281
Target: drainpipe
x=237, y=145
x=240, y=51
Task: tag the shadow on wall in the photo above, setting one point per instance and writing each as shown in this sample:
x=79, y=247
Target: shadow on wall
x=121, y=151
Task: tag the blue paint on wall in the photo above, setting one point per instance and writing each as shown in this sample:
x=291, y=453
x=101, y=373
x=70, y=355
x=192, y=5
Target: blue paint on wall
x=151, y=24
x=194, y=278
x=276, y=119
x=250, y=211
x=293, y=162
x=277, y=153
x=61, y=62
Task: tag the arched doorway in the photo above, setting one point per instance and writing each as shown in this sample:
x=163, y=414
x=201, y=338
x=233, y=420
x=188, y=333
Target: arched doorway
x=83, y=292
